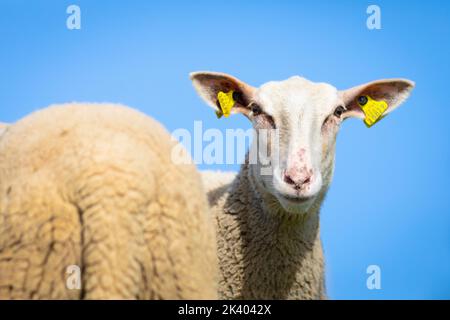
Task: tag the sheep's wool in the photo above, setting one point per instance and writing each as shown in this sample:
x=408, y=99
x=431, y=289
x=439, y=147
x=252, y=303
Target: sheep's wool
x=263, y=254
x=93, y=188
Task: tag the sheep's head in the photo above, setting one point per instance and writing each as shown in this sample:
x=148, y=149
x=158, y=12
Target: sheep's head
x=302, y=119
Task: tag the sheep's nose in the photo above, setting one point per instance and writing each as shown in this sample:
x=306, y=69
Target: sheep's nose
x=297, y=182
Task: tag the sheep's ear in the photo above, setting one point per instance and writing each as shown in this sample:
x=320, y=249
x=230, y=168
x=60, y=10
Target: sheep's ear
x=393, y=91
x=209, y=84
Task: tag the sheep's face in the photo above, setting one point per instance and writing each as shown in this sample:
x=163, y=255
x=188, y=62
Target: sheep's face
x=296, y=122
x=305, y=117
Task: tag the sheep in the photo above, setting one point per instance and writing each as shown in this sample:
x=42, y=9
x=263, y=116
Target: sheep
x=94, y=186
x=267, y=224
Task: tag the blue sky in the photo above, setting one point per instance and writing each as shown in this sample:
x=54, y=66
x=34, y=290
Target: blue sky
x=388, y=203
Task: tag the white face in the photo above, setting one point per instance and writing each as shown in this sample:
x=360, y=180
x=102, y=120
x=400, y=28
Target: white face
x=306, y=117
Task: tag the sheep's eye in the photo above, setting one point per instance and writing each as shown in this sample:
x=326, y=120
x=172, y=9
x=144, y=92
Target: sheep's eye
x=256, y=109
x=261, y=118
x=339, y=111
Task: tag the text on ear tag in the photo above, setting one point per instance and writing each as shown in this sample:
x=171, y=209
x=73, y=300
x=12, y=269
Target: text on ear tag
x=226, y=102
x=373, y=109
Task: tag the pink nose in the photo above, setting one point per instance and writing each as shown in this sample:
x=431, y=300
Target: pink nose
x=298, y=180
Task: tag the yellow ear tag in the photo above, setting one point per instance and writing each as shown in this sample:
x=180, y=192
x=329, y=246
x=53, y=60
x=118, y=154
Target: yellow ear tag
x=226, y=102
x=373, y=109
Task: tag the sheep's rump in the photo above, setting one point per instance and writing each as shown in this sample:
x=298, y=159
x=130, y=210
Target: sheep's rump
x=93, y=206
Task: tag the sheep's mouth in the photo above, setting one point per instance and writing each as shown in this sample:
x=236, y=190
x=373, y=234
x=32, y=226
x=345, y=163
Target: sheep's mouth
x=295, y=199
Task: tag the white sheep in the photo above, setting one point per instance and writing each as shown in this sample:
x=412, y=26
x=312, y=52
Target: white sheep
x=268, y=224
x=95, y=186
